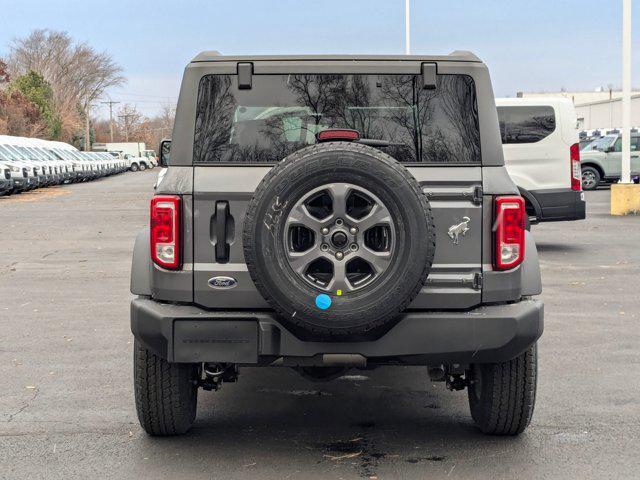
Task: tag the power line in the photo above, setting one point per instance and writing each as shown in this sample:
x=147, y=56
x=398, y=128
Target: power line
x=155, y=102
x=126, y=94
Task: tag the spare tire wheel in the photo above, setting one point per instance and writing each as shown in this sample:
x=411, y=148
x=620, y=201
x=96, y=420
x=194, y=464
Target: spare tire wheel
x=338, y=238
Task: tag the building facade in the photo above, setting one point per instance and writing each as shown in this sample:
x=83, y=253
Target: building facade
x=599, y=110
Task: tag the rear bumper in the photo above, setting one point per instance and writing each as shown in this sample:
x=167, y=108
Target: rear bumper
x=188, y=334
x=559, y=204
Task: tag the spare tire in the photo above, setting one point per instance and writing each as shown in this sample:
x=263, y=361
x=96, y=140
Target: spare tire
x=339, y=239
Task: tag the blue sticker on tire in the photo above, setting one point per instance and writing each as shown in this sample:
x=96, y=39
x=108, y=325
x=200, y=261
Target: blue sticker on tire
x=323, y=301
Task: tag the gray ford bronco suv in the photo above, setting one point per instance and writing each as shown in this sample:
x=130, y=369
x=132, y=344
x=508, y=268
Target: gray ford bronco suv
x=325, y=213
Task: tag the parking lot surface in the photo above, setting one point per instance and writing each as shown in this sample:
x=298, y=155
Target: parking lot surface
x=66, y=401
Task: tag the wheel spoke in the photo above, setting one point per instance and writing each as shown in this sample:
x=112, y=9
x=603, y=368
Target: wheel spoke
x=378, y=260
x=339, y=280
x=301, y=216
x=378, y=215
x=339, y=193
x=299, y=261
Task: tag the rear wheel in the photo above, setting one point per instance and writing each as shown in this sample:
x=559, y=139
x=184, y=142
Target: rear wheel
x=134, y=167
x=590, y=178
x=502, y=395
x=166, y=393
x=143, y=167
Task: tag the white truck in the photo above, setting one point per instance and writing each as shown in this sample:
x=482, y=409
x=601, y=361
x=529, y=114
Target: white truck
x=132, y=148
x=134, y=153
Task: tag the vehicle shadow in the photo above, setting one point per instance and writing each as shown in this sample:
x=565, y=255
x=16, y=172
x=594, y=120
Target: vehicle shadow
x=547, y=247
x=390, y=418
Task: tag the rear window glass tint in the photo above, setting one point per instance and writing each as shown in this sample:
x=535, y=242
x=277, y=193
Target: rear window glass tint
x=526, y=124
x=283, y=113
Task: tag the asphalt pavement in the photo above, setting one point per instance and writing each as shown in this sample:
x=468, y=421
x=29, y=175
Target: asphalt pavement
x=66, y=394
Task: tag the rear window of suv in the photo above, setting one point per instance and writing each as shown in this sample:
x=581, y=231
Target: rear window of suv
x=283, y=113
x=526, y=124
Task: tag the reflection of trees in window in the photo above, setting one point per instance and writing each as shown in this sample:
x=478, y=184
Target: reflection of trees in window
x=322, y=94
x=532, y=129
x=460, y=107
x=382, y=112
x=438, y=125
x=449, y=121
x=399, y=91
x=353, y=107
x=526, y=124
x=214, y=117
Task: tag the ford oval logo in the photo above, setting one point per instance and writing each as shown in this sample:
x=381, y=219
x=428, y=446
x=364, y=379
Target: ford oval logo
x=222, y=283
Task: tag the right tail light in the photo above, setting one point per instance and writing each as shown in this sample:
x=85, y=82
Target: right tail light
x=576, y=169
x=509, y=232
x=165, y=231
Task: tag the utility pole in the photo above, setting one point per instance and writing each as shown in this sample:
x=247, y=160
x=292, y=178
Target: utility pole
x=111, y=104
x=126, y=125
x=625, y=196
x=626, y=91
x=407, y=28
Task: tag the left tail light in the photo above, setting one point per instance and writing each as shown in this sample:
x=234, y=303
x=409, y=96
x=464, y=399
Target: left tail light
x=576, y=169
x=165, y=222
x=509, y=232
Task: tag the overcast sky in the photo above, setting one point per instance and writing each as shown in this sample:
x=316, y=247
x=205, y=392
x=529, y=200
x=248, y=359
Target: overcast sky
x=541, y=45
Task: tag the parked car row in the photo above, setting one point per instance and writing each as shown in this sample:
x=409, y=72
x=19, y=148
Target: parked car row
x=29, y=163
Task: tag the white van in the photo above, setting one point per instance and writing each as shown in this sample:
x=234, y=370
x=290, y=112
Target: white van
x=542, y=155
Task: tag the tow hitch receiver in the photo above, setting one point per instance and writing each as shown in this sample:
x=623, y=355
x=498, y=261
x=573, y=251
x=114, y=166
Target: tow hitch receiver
x=215, y=374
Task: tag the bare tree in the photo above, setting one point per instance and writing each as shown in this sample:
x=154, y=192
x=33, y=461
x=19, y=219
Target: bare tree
x=78, y=74
x=130, y=121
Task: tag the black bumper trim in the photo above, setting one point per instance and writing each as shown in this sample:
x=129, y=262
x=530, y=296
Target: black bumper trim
x=185, y=333
x=560, y=204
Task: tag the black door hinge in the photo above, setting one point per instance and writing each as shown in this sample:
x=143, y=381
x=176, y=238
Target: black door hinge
x=477, y=195
x=477, y=281
x=245, y=75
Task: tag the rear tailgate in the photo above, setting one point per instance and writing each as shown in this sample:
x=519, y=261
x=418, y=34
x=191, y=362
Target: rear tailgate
x=221, y=195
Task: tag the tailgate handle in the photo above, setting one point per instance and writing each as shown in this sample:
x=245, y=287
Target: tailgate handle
x=222, y=247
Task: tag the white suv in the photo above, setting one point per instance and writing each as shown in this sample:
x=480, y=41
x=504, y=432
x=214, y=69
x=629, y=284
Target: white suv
x=542, y=155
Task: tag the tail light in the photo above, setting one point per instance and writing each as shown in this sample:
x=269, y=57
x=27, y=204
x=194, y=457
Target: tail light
x=576, y=170
x=338, y=134
x=509, y=232
x=165, y=235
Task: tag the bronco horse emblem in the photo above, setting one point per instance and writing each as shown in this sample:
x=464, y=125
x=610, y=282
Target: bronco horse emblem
x=459, y=229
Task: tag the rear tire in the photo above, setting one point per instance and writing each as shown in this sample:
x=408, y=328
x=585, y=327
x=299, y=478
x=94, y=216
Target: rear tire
x=166, y=393
x=134, y=167
x=143, y=167
x=502, y=395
